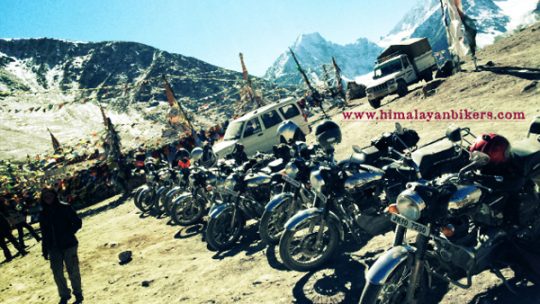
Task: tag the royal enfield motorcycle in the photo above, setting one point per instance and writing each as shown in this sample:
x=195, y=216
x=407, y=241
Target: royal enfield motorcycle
x=295, y=195
x=244, y=193
x=352, y=197
x=466, y=223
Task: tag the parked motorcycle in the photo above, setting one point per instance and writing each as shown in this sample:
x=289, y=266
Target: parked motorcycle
x=190, y=207
x=244, y=193
x=349, y=200
x=466, y=223
x=146, y=195
x=295, y=196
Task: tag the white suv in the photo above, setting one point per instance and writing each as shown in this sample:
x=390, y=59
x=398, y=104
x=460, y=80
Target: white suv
x=256, y=130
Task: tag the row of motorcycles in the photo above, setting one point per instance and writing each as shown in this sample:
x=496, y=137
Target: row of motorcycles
x=471, y=204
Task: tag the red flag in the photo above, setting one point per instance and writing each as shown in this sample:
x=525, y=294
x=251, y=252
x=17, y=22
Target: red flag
x=170, y=94
x=177, y=116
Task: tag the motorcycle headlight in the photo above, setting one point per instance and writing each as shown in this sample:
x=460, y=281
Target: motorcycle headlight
x=410, y=204
x=316, y=180
x=229, y=183
x=164, y=175
x=291, y=170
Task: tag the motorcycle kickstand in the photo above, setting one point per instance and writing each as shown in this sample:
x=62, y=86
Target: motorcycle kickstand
x=499, y=275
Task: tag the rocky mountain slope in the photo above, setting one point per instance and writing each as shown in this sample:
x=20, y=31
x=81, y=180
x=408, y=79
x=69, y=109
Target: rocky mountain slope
x=120, y=73
x=56, y=84
x=493, y=18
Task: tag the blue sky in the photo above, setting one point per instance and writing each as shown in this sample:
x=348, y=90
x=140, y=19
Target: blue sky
x=211, y=30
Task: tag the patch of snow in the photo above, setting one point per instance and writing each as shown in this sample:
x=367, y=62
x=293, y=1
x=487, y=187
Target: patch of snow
x=54, y=76
x=519, y=11
x=20, y=69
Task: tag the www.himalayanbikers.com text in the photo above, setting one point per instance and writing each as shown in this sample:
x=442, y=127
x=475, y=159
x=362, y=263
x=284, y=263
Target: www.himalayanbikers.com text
x=419, y=115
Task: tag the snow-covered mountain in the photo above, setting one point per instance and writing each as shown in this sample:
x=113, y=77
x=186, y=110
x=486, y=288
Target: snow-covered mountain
x=313, y=51
x=493, y=18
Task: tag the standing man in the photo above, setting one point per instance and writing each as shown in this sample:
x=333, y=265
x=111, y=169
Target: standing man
x=59, y=223
x=17, y=219
x=5, y=233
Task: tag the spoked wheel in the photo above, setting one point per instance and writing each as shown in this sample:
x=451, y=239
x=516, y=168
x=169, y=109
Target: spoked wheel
x=310, y=245
x=136, y=197
x=159, y=206
x=394, y=291
x=168, y=201
x=223, y=231
x=146, y=200
x=272, y=224
x=189, y=211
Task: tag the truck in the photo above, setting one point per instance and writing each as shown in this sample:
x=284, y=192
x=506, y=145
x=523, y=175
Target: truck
x=398, y=66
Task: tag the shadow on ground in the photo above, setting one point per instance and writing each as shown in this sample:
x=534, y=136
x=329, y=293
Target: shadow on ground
x=342, y=282
x=91, y=212
x=525, y=294
x=250, y=243
x=521, y=72
x=190, y=231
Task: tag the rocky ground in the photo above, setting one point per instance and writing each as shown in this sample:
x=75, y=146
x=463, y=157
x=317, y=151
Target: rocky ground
x=173, y=264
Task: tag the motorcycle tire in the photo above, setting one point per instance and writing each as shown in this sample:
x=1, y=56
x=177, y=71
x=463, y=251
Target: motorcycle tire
x=136, y=197
x=286, y=242
x=374, y=294
x=168, y=201
x=189, y=211
x=219, y=233
x=270, y=230
x=146, y=200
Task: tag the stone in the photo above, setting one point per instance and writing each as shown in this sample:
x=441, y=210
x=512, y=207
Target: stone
x=146, y=283
x=125, y=257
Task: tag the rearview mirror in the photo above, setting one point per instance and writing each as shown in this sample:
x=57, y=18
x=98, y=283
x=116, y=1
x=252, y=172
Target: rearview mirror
x=399, y=128
x=453, y=133
x=534, y=128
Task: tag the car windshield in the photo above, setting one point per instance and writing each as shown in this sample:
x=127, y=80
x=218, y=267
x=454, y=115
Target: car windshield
x=234, y=131
x=387, y=68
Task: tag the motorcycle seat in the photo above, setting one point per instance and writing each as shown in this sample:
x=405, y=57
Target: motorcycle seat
x=437, y=158
x=525, y=155
x=371, y=154
x=276, y=165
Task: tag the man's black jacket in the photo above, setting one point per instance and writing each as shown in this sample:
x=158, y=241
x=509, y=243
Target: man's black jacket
x=59, y=223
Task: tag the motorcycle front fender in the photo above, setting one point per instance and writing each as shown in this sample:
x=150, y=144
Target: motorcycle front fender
x=139, y=189
x=278, y=200
x=217, y=210
x=305, y=215
x=173, y=191
x=160, y=190
x=387, y=263
x=182, y=198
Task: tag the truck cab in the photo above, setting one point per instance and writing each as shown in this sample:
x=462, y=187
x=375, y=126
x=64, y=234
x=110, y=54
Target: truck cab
x=398, y=66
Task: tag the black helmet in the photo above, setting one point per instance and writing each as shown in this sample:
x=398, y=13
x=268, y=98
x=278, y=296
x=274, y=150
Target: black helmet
x=182, y=153
x=238, y=147
x=282, y=151
x=287, y=131
x=327, y=134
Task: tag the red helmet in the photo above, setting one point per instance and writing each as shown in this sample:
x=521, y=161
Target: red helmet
x=494, y=145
